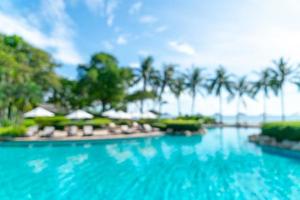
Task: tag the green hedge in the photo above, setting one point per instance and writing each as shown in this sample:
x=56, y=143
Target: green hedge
x=282, y=130
x=182, y=125
x=29, y=122
x=97, y=122
x=201, y=118
x=59, y=122
x=12, y=131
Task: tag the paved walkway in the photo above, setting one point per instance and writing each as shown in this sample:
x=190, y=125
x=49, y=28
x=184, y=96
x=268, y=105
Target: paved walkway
x=97, y=135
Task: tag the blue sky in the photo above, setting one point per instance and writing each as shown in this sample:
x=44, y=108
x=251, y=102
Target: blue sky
x=242, y=35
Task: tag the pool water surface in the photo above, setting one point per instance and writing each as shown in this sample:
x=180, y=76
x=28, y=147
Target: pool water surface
x=219, y=165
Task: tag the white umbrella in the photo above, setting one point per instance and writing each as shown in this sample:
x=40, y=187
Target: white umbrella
x=117, y=115
x=110, y=114
x=79, y=114
x=148, y=115
x=123, y=115
x=38, y=112
x=136, y=115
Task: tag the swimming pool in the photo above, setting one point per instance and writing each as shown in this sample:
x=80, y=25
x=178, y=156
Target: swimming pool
x=219, y=165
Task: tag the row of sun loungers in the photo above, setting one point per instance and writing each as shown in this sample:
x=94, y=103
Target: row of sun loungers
x=48, y=131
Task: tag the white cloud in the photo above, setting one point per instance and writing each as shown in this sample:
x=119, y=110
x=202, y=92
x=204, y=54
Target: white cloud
x=105, y=8
x=61, y=33
x=148, y=19
x=134, y=64
x=95, y=5
x=161, y=29
x=182, y=47
x=110, y=9
x=59, y=41
x=135, y=8
x=108, y=45
x=121, y=40
x=143, y=53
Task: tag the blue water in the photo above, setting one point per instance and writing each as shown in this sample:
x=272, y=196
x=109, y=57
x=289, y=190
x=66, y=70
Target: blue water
x=219, y=165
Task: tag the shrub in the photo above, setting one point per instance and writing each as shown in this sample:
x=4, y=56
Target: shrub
x=6, y=122
x=282, y=130
x=29, y=122
x=98, y=122
x=123, y=122
x=12, y=131
x=182, y=125
x=203, y=119
x=57, y=121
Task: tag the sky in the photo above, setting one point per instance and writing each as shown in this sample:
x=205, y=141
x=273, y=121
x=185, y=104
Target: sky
x=244, y=36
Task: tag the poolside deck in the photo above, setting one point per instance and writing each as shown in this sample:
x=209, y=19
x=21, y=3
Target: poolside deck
x=97, y=135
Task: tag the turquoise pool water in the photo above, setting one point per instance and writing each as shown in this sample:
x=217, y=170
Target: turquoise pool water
x=219, y=165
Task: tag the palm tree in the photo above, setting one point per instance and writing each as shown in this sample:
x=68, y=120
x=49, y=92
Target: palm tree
x=241, y=89
x=218, y=84
x=155, y=83
x=144, y=74
x=265, y=83
x=165, y=79
x=195, y=84
x=281, y=75
x=177, y=86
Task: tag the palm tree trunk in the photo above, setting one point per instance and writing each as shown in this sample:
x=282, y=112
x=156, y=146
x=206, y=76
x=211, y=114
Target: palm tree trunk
x=193, y=104
x=238, y=111
x=178, y=106
x=282, y=105
x=221, y=108
x=264, y=108
x=142, y=106
x=142, y=100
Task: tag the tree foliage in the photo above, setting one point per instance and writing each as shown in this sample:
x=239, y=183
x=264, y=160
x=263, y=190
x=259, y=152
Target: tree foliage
x=26, y=72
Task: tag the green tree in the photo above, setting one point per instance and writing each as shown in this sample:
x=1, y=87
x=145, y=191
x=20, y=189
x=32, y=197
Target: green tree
x=195, y=84
x=265, y=83
x=166, y=78
x=241, y=89
x=67, y=97
x=102, y=80
x=281, y=75
x=26, y=73
x=221, y=82
x=144, y=75
x=178, y=86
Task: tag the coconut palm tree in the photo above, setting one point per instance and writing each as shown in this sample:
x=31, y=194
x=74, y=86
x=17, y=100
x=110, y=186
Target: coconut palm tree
x=241, y=89
x=281, y=75
x=195, y=84
x=219, y=83
x=144, y=74
x=165, y=78
x=265, y=83
x=177, y=86
x=155, y=83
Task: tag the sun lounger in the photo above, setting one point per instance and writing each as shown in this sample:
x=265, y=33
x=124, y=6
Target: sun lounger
x=48, y=131
x=125, y=129
x=87, y=130
x=112, y=128
x=73, y=130
x=135, y=125
x=32, y=130
x=147, y=128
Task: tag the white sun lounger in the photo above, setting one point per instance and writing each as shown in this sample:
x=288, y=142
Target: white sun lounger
x=48, y=131
x=32, y=130
x=147, y=128
x=88, y=130
x=73, y=130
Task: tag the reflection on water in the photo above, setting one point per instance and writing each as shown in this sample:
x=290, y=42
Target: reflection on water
x=219, y=165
